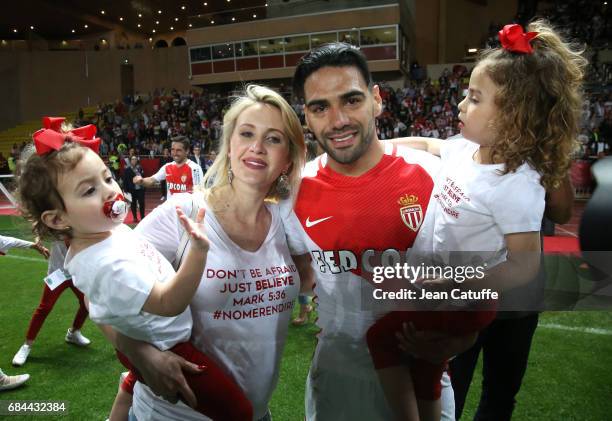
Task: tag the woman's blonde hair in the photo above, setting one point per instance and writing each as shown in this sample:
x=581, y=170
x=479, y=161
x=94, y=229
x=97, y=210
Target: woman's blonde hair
x=217, y=176
x=539, y=101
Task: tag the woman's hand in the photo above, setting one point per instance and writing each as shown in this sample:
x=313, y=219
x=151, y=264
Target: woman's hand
x=195, y=229
x=163, y=373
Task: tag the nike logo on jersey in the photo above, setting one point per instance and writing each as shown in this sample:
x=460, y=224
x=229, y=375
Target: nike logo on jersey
x=310, y=223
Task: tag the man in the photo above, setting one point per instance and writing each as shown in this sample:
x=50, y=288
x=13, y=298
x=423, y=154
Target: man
x=197, y=158
x=361, y=198
x=181, y=175
x=137, y=191
x=210, y=160
x=4, y=168
x=126, y=159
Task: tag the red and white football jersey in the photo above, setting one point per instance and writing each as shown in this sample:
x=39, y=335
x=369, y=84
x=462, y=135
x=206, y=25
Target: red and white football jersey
x=180, y=179
x=349, y=225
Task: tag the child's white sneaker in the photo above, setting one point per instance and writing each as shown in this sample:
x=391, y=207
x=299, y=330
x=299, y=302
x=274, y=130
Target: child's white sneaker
x=77, y=338
x=22, y=355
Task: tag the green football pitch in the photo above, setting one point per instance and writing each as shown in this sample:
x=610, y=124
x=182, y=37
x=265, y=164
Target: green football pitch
x=569, y=376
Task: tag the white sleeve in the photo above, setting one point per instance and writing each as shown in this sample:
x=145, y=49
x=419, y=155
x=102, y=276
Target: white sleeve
x=127, y=287
x=429, y=162
x=7, y=243
x=160, y=175
x=453, y=146
x=517, y=203
x=293, y=229
x=161, y=226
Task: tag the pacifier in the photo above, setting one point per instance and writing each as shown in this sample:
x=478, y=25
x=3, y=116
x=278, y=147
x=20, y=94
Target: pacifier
x=116, y=209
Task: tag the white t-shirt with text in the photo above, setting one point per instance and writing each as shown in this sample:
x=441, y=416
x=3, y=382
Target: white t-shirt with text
x=241, y=310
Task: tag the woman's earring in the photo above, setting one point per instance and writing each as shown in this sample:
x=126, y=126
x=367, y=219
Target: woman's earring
x=230, y=174
x=282, y=186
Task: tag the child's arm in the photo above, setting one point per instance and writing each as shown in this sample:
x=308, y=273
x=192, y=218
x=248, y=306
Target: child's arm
x=151, y=181
x=7, y=243
x=521, y=266
x=522, y=262
x=146, y=181
x=172, y=297
x=427, y=144
x=559, y=202
x=307, y=279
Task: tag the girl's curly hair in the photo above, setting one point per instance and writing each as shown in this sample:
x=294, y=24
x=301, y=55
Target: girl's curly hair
x=37, y=185
x=539, y=101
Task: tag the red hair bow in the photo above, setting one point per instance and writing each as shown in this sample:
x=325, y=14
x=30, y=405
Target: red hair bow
x=51, y=137
x=513, y=38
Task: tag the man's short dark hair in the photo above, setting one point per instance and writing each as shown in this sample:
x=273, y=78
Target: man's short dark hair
x=183, y=140
x=334, y=54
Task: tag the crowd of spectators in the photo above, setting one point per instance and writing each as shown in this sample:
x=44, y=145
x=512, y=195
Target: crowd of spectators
x=595, y=137
x=587, y=23
x=143, y=125
x=148, y=127
x=422, y=108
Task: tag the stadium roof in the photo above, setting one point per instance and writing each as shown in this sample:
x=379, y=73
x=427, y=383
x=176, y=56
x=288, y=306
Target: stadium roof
x=74, y=19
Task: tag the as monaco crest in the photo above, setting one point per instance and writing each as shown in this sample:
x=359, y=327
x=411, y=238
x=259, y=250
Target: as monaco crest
x=411, y=211
x=183, y=178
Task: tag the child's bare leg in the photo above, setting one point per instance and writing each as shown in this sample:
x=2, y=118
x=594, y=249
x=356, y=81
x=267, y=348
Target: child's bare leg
x=429, y=410
x=121, y=406
x=398, y=388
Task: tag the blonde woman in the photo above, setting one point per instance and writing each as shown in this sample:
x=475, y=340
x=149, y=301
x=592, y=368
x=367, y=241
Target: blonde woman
x=242, y=307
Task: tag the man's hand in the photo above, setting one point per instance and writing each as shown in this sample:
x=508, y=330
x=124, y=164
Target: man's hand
x=438, y=284
x=435, y=347
x=41, y=249
x=137, y=180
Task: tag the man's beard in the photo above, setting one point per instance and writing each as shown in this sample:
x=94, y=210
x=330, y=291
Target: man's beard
x=359, y=149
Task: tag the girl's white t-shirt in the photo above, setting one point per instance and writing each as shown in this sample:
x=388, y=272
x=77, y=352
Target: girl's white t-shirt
x=472, y=206
x=116, y=275
x=241, y=310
